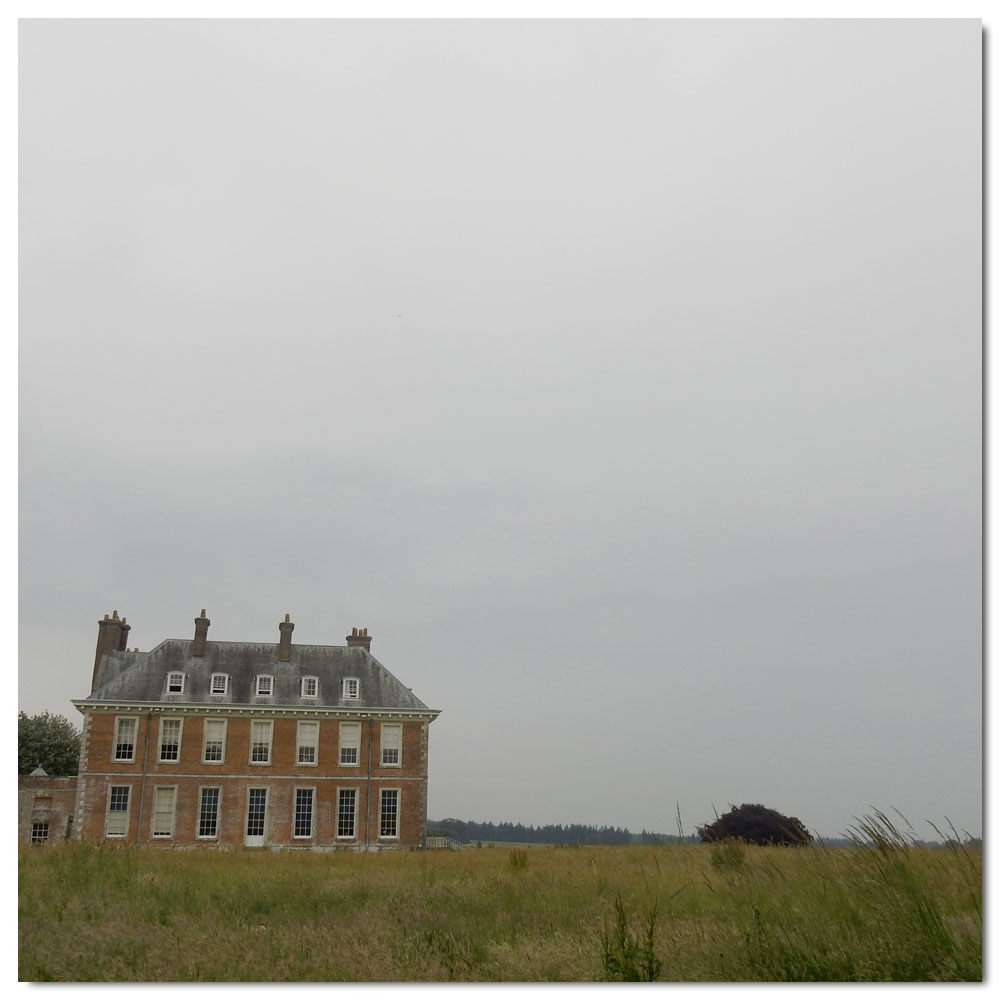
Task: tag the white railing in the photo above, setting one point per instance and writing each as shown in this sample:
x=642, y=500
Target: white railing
x=444, y=844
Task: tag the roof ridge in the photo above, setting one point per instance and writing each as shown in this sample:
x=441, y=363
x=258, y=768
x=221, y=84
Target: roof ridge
x=264, y=642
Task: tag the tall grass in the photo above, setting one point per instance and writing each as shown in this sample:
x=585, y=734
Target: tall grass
x=883, y=910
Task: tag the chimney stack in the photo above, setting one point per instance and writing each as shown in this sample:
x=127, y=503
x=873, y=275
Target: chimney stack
x=124, y=636
x=111, y=633
x=285, y=645
x=359, y=639
x=200, y=635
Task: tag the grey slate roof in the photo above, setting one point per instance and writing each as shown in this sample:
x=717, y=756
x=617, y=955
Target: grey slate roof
x=142, y=677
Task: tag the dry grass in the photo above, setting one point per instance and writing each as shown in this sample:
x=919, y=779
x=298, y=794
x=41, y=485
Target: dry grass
x=119, y=914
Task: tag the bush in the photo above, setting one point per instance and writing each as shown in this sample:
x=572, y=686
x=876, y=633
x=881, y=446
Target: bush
x=756, y=824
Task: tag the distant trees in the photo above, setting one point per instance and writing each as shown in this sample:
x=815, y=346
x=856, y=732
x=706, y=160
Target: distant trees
x=468, y=832
x=756, y=824
x=49, y=741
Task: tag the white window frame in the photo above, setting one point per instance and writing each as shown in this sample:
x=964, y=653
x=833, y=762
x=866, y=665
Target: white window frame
x=127, y=811
x=353, y=835
x=198, y=835
x=225, y=684
x=270, y=741
x=39, y=833
x=269, y=693
x=343, y=745
x=315, y=687
x=300, y=745
x=351, y=688
x=265, y=815
x=399, y=802
x=159, y=744
x=397, y=727
x=312, y=812
x=117, y=741
x=172, y=674
x=173, y=812
x=204, y=741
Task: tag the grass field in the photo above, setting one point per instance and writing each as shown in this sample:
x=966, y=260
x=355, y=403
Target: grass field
x=691, y=913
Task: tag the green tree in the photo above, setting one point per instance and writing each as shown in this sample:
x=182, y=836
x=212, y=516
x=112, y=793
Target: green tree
x=756, y=824
x=49, y=741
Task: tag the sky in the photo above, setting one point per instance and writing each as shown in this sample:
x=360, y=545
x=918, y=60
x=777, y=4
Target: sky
x=623, y=378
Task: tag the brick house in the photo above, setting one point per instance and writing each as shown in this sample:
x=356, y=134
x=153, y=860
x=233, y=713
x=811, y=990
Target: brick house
x=220, y=744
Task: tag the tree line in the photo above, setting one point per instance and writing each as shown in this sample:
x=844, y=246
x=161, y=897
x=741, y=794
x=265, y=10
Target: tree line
x=471, y=832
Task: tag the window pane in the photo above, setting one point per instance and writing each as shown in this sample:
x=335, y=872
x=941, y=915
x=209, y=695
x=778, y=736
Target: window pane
x=118, y=810
x=208, y=815
x=391, y=743
x=170, y=739
x=163, y=812
x=345, y=812
x=350, y=741
x=260, y=745
x=308, y=740
x=303, y=812
x=256, y=809
x=388, y=813
x=215, y=734
x=125, y=739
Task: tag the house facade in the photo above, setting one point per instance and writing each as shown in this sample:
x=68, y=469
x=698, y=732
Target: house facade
x=225, y=744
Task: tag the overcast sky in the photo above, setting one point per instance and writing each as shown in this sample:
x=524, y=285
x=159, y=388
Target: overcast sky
x=622, y=377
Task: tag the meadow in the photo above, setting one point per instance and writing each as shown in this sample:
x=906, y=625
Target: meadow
x=729, y=912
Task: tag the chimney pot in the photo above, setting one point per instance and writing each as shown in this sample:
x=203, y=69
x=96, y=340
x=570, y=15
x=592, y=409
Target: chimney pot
x=359, y=639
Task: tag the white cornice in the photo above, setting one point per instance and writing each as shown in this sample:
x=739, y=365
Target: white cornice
x=272, y=711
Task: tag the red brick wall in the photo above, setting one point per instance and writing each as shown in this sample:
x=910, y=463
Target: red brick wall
x=235, y=775
x=49, y=800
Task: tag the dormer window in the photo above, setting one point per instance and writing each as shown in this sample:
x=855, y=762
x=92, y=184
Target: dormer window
x=220, y=683
x=175, y=683
x=310, y=687
x=352, y=687
x=265, y=685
